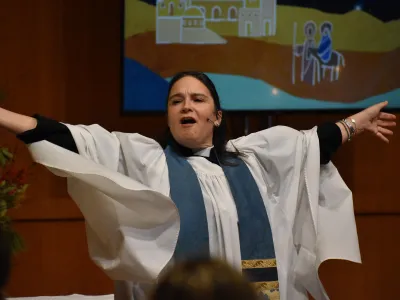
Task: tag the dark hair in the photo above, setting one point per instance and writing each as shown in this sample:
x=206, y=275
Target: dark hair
x=203, y=279
x=5, y=259
x=326, y=25
x=220, y=132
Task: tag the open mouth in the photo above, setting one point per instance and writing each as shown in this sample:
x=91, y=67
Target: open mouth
x=188, y=121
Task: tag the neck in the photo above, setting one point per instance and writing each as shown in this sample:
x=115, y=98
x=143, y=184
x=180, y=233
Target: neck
x=201, y=147
x=186, y=151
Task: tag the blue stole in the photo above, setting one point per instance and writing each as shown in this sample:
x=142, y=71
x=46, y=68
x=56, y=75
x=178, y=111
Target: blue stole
x=256, y=243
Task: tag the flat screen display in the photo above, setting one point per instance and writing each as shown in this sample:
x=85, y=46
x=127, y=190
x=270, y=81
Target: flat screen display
x=264, y=54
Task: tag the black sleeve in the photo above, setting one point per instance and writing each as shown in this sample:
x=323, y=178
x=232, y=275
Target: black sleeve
x=330, y=139
x=329, y=134
x=51, y=131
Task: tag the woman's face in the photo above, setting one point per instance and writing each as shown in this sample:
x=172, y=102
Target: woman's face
x=191, y=113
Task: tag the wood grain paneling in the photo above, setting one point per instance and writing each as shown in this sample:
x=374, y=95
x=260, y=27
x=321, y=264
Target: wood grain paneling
x=32, y=78
x=56, y=262
x=377, y=277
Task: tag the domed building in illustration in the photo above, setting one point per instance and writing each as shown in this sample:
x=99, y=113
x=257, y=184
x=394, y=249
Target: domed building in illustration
x=184, y=25
x=193, y=17
x=202, y=21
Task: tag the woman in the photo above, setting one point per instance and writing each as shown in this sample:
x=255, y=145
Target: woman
x=261, y=202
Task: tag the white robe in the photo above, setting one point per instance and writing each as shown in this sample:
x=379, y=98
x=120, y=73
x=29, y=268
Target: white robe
x=120, y=182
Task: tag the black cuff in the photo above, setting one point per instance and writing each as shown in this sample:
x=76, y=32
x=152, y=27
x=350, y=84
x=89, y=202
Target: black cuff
x=330, y=139
x=44, y=128
x=49, y=130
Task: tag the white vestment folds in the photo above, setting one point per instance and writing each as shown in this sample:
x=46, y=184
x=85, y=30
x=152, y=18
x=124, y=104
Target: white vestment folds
x=120, y=183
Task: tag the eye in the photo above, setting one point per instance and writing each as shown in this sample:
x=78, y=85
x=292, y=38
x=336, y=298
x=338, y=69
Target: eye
x=198, y=100
x=175, y=101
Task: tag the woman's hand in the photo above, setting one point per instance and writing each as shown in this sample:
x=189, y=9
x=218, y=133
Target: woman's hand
x=374, y=121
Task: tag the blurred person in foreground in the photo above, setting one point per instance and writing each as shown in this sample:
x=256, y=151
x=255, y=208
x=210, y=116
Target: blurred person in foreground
x=200, y=279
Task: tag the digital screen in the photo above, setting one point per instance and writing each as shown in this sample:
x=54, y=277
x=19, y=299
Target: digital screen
x=264, y=54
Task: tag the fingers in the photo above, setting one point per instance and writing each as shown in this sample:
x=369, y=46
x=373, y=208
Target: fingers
x=382, y=137
x=386, y=123
x=384, y=131
x=386, y=116
x=381, y=105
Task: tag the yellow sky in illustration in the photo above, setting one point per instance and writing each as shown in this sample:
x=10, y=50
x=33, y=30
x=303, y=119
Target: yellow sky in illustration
x=354, y=31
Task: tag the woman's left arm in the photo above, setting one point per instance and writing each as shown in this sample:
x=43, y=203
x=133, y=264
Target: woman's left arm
x=372, y=120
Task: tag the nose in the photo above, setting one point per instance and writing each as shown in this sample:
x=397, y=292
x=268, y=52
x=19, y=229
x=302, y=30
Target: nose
x=186, y=106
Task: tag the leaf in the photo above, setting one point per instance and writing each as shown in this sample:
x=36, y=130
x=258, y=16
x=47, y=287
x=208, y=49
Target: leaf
x=12, y=190
x=5, y=223
x=17, y=243
x=8, y=189
x=3, y=208
x=24, y=188
x=3, y=160
x=7, y=153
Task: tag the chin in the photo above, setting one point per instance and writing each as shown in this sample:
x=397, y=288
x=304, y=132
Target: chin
x=188, y=141
x=192, y=144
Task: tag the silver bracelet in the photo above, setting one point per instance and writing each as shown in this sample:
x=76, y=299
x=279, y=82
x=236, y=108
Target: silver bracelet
x=355, y=125
x=351, y=125
x=346, y=127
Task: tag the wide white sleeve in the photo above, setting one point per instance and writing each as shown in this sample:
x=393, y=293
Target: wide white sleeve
x=132, y=228
x=132, y=154
x=316, y=204
x=97, y=144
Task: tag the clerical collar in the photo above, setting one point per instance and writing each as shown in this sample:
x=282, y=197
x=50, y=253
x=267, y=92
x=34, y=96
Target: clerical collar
x=187, y=152
x=203, y=152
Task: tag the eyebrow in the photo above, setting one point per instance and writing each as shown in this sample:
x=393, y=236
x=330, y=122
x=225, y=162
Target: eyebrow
x=192, y=94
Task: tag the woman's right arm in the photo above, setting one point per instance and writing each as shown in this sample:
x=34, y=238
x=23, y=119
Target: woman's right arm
x=16, y=123
x=37, y=128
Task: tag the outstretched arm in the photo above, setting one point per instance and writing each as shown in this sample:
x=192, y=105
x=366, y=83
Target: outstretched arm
x=37, y=128
x=51, y=131
x=16, y=123
x=370, y=120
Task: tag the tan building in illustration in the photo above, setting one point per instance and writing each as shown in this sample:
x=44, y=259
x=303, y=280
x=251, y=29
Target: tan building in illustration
x=219, y=10
x=258, y=18
x=171, y=8
x=190, y=21
x=193, y=18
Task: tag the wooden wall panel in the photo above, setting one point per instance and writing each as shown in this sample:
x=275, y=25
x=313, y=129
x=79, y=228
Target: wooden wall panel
x=32, y=78
x=56, y=262
x=377, y=277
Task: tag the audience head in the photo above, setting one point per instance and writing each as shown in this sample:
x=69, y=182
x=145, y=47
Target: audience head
x=203, y=279
x=5, y=260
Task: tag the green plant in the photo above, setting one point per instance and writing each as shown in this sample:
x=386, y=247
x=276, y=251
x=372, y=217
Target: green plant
x=13, y=187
